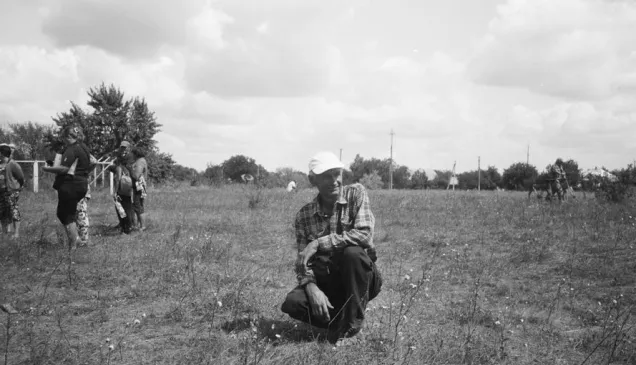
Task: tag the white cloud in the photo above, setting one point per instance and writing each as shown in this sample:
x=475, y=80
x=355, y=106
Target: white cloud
x=207, y=27
x=570, y=48
x=279, y=80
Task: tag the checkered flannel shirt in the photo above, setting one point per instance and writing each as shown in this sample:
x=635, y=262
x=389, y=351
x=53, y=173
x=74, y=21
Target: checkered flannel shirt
x=357, y=222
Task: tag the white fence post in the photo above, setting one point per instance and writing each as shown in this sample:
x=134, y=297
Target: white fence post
x=35, y=177
x=112, y=182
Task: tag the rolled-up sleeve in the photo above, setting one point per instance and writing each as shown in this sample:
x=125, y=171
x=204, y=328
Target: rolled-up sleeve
x=303, y=275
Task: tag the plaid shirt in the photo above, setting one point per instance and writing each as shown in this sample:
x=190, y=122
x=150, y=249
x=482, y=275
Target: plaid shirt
x=356, y=222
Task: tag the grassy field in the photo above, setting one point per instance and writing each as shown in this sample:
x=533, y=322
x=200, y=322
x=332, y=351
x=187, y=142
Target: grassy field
x=470, y=278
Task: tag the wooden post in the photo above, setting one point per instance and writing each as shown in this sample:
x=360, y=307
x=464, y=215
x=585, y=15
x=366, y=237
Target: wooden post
x=103, y=175
x=112, y=182
x=478, y=173
x=35, y=177
x=95, y=178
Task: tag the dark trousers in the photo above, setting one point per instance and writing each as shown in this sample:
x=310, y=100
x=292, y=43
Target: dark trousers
x=351, y=281
x=70, y=190
x=125, y=224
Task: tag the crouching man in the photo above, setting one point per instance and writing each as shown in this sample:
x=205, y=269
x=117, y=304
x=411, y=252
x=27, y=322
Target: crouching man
x=335, y=268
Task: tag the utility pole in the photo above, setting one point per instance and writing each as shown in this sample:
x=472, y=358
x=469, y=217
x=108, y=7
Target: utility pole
x=528, y=156
x=341, y=155
x=391, y=163
x=478, y=173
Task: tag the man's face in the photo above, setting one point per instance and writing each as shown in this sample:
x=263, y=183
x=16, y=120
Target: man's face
x=123, y=150
x=328, y=183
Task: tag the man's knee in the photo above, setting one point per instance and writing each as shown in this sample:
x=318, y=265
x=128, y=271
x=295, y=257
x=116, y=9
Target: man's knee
x=356, y=255
x=295, y=302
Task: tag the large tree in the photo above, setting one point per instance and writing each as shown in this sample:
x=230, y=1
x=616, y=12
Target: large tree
x=419, y=180
x=519, y=176
x=238, y=165
x=29, y=140
x=401, y=174
x=111, y=120
x=491, y=178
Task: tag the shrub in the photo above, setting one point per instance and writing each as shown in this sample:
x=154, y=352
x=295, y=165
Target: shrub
x=372, y=181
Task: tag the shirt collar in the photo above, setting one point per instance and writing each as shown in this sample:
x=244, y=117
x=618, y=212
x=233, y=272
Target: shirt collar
x=316, y=202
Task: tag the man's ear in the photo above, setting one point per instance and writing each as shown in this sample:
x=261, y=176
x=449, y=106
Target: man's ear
x=311, y=178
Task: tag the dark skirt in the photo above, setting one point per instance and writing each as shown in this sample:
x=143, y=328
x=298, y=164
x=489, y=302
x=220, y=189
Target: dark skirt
x=70, y=190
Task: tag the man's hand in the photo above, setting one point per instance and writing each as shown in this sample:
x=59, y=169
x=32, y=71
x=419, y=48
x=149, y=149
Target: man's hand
x=305, y=255
x=319, y=302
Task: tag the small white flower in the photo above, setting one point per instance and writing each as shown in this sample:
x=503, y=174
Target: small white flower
x=136, y=322
x=407, y=277
x=413, y=286
x=111, y=348
x=273, y=326
x=277, y=335
x=413, y=348
x=107, y=339
x=219, y=303
x=497, y=323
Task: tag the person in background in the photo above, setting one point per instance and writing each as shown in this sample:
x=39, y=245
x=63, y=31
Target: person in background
x=335, y=268
x=71, y=181
x=291, y=186
x=82, y=221
x=123, y=186
x=557, y=175
x=139, y=178
x=11, y=183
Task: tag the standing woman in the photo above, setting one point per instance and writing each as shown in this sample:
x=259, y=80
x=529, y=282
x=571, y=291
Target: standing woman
x=11, y=183
x=139, y=177
x=123, y=187
x=71, y=185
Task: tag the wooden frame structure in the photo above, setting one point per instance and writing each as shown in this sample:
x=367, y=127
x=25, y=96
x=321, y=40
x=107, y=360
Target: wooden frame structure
x=102, y=164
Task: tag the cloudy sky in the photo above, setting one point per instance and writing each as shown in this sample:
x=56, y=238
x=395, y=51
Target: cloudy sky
x=278, y=80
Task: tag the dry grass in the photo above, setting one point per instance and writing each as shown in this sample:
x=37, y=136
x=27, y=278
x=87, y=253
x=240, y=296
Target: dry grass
x=470, y=278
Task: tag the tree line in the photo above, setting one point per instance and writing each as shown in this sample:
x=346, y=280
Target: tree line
x=375, y=173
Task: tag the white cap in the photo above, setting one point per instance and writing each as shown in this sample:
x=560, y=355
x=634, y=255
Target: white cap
x=323, y=161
